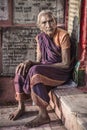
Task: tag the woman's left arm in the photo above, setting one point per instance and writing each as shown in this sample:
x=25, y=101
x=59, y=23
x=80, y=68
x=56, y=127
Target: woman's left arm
x=65, y=53
x=65, y=59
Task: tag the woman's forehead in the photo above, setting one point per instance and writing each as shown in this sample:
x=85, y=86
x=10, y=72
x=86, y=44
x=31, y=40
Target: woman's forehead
x=45, y=17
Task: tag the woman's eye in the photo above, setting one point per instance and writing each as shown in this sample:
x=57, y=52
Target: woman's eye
x=44, y=22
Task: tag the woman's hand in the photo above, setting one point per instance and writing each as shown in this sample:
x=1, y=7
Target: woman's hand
x=23, y=68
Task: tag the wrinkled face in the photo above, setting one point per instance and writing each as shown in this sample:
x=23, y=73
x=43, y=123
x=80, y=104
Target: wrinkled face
x=47, y=24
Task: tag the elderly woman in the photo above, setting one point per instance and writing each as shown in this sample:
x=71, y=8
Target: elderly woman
x=53, y=68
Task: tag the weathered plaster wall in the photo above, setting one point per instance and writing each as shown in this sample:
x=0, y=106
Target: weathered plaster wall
x=18, y=44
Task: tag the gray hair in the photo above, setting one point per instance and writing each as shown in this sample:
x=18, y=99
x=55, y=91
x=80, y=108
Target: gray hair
x=43, y=12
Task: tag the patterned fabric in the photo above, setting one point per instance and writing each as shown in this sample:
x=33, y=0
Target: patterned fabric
x=42, y=75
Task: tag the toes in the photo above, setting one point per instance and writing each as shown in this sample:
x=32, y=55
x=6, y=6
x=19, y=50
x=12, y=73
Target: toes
x=16, y=115
x=37, y=123
x=11, y=116
x=31, y=125
x=27, y=125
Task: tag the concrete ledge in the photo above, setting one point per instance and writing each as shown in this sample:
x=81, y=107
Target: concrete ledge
x=70, y=105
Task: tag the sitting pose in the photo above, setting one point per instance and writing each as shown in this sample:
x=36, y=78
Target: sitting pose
x=52, y=68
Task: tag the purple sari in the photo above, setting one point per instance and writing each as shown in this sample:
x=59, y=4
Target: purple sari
x=42, y=75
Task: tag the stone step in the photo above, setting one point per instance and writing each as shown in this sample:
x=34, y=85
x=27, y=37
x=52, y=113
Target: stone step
x=70, y=105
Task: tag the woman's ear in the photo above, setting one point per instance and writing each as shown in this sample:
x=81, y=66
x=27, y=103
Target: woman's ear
x=40, y=27
x=56, y=20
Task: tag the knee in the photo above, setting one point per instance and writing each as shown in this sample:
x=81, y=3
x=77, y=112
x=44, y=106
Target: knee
x=34, y=69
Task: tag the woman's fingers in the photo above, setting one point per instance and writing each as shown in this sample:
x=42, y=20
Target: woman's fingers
x=27, y=65
x=23, y=68
x=19, y=68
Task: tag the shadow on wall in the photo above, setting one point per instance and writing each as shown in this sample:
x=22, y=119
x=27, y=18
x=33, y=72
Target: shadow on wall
x=75, y=36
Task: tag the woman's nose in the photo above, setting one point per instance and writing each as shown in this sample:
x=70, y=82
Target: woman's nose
x=48, y=24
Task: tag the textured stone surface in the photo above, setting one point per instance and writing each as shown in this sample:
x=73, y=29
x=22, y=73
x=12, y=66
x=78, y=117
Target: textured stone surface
x=71, y=107
x=31, y=112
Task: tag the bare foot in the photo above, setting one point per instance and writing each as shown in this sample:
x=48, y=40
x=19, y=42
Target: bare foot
x=39, y=120
x=18, y=113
